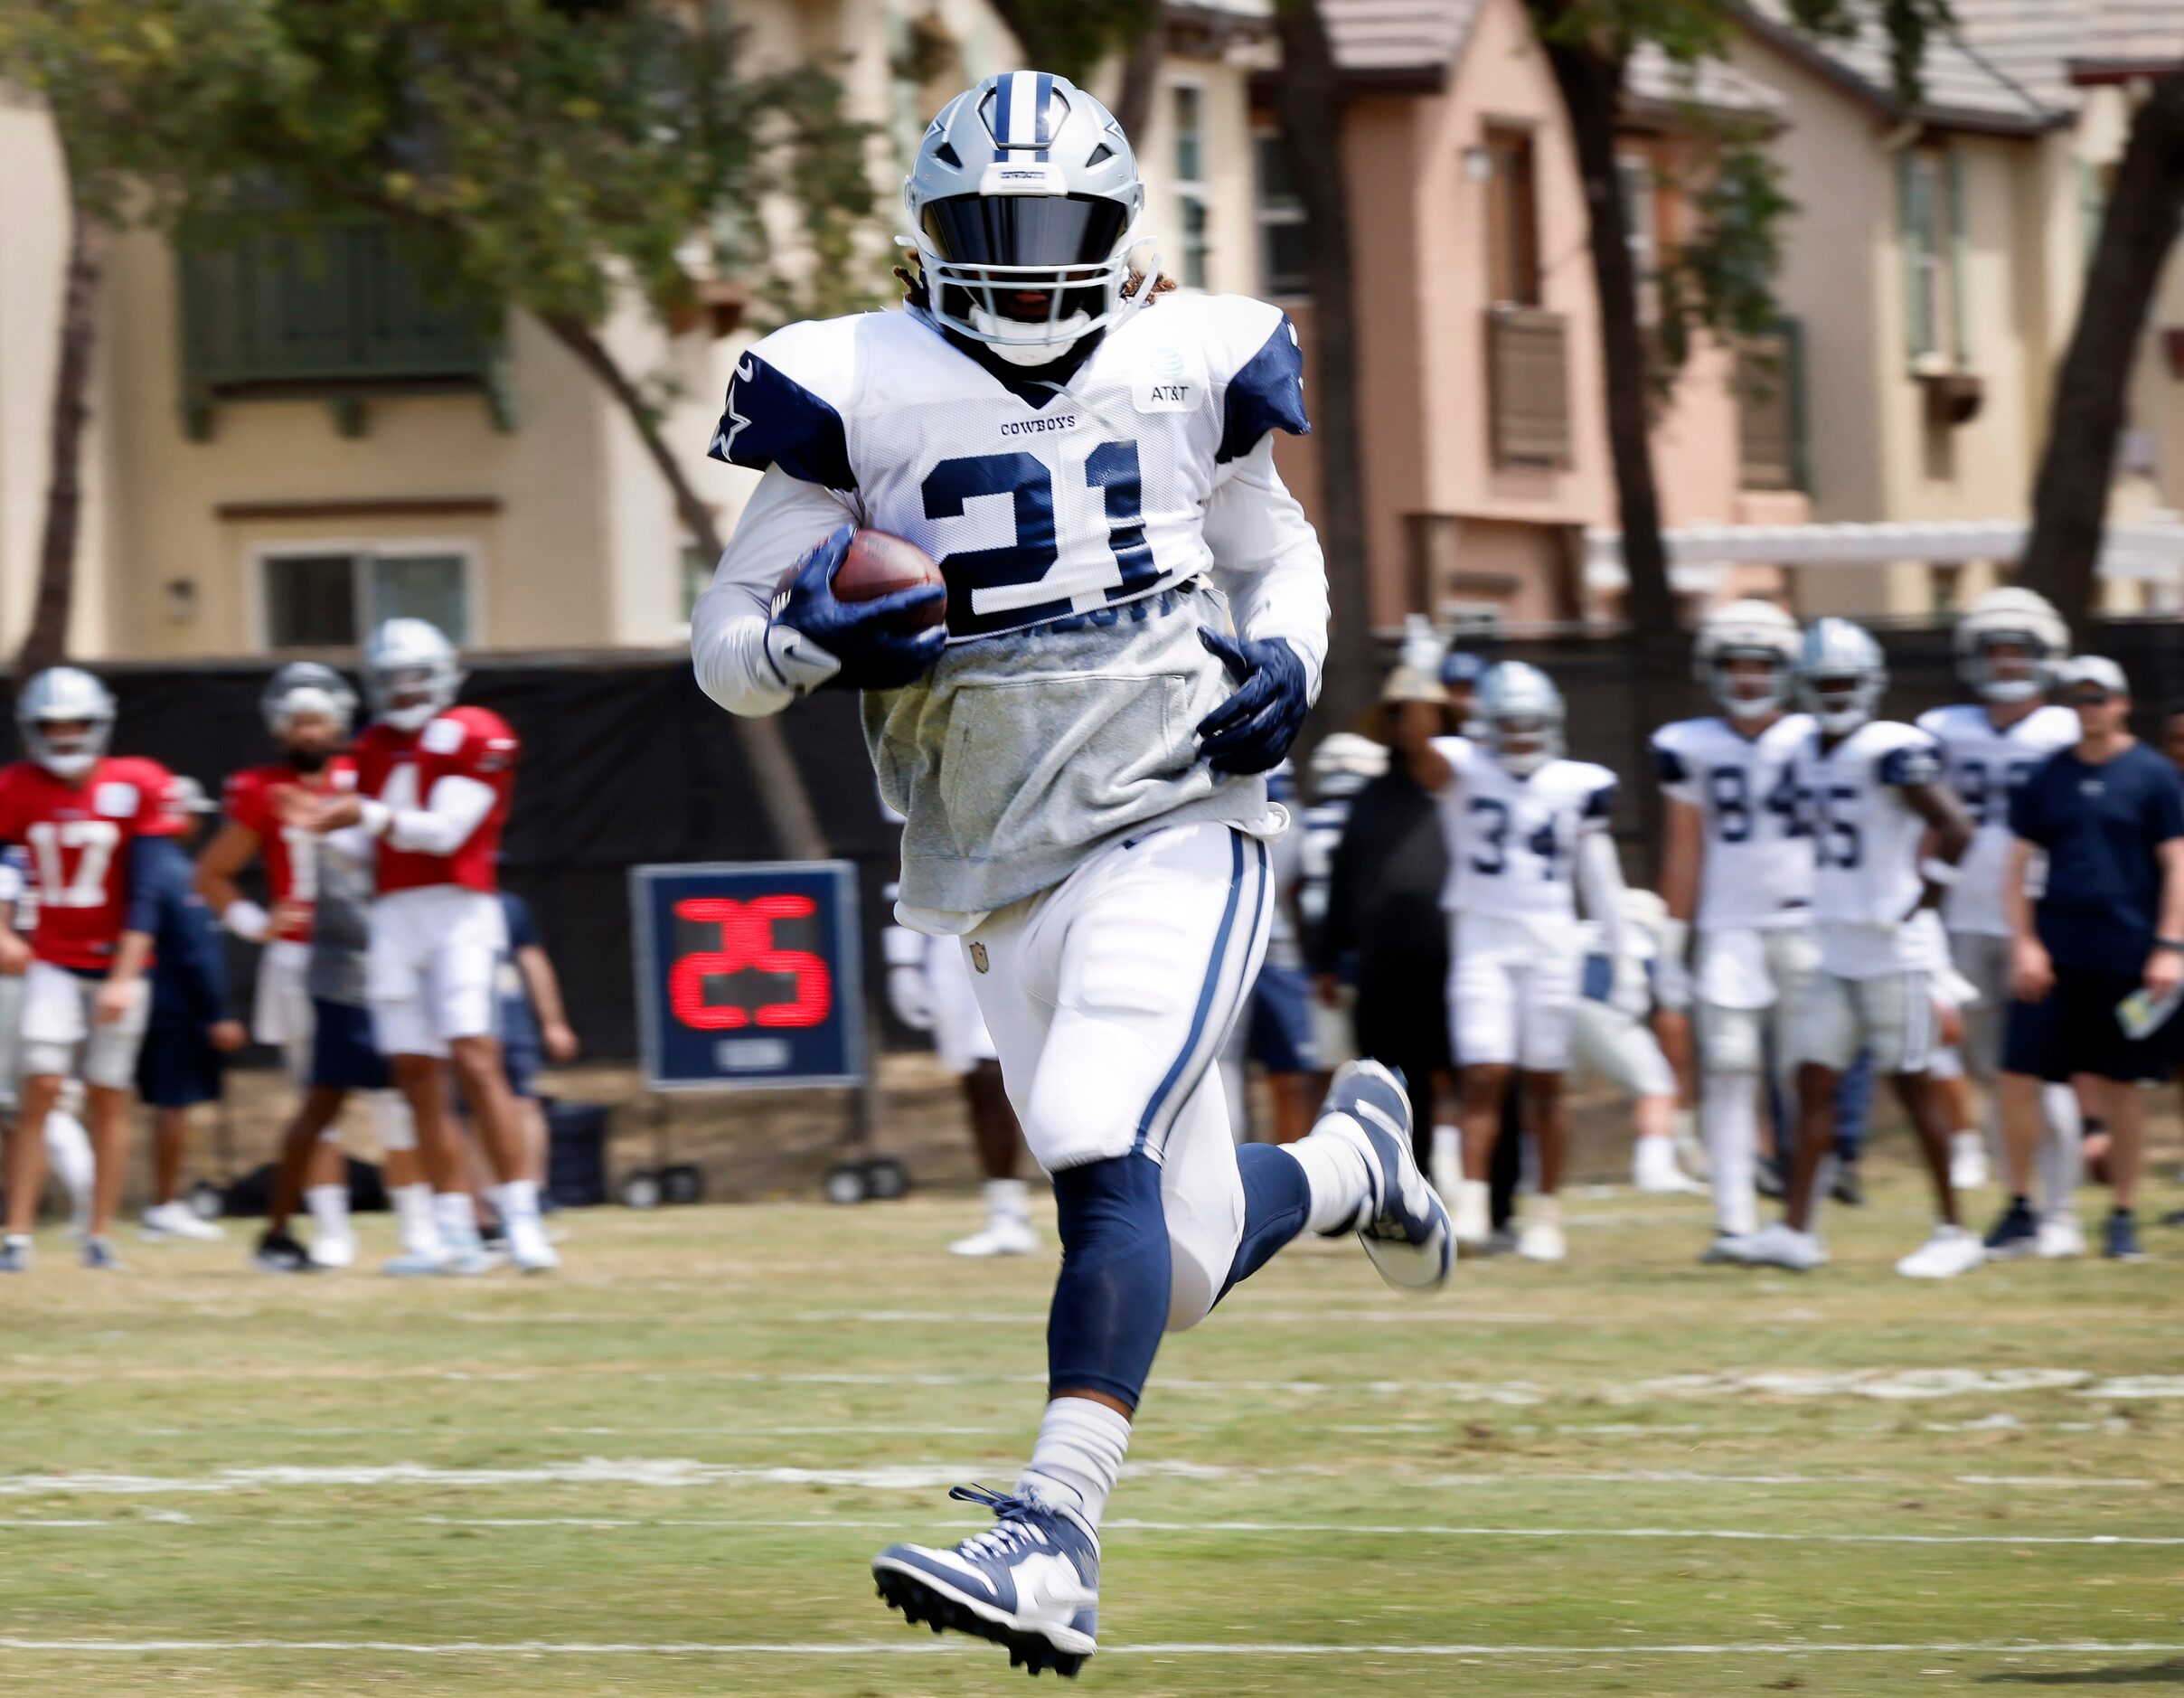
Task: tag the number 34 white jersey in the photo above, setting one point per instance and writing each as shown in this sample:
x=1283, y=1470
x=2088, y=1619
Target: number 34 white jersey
x=1513, y=842
x=1756, y=868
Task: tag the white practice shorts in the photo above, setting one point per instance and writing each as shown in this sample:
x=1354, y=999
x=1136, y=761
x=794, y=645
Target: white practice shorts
x=1612, y=1046
x=1110, y=998
x=1510, y=994
x=280, y=1013
x=1747, y=983
x=1984, y=962
x=62, y=1035
x=959, y=1030
x=430, y=972
x=1891, y=1013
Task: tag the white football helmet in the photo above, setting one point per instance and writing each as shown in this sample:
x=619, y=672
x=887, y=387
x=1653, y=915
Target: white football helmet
x=304, y=686
x=65, y=695
x=410, y=674
x=1841, y=674
x=1022, y=200
x=1519, y=714
x=1345, y=763
x=1746, y=630
x=2019, y=619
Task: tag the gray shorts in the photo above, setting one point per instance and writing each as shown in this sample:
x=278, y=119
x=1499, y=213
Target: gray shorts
x=1984, y=962
x=62, y=1036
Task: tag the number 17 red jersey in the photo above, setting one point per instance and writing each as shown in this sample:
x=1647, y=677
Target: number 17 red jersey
x=80, y=839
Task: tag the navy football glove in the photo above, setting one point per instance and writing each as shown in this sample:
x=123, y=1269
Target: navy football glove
x=875, y=648
x=1253, y=729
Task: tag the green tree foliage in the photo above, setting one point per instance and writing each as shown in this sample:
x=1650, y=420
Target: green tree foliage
x=1072, y=38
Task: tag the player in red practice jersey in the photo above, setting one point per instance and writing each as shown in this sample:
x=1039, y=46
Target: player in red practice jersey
x=309, y=709
x=99, y=831
x=433, y=784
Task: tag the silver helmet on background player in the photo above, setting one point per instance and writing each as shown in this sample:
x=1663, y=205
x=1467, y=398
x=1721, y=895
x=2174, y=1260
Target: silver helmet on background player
x=304, y=686
x=1520, y=714
x=65, y=695
x=410, y=674
x=1841, y=674
x=1022, y=200
x=1345, y=763
x=2021, y=622
x=1748, y=630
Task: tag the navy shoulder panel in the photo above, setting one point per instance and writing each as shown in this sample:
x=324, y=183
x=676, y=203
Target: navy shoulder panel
x=771, y=420
x=1912, y=765
x=1667, y=763
x=1267, y=394
x=1601, y=802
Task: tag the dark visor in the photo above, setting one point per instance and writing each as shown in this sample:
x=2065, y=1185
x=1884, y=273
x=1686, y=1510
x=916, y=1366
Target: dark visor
x=1035, y=230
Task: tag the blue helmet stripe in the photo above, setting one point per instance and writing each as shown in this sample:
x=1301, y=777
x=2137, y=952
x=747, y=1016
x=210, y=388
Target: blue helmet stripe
x=1001, y=86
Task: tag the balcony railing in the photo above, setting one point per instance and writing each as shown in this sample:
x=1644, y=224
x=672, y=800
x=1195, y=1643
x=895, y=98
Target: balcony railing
x=342, y=314
x=1528, y=386
x=1769, y=409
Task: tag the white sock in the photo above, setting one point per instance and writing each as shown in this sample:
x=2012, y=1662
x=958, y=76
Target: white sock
x=68, y=1150
x=329, y=1206
x=421, y=1232
x=1079, y=1455
x=1448, y=1141
x=517, y=1199
x=457, y=1218
x=1008, y=1200
x=392, y=1124
x=1728, y=1117
x=1336, y=1168
x=2062, y=1149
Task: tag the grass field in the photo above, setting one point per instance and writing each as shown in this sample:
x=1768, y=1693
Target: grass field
x=665, y=1470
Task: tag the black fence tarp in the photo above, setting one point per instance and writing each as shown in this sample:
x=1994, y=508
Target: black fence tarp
x=624, y=761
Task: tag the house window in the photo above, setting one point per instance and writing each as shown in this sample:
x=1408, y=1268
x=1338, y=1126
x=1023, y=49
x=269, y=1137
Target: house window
x=333, y=597
x=1512, y=219
x=1189, y=179
x=1932, y=196
x=1634, y=177
x=1284, y=267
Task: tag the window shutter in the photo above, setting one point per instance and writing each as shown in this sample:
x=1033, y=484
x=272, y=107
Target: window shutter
x=1918, y=332
x=1961, y=321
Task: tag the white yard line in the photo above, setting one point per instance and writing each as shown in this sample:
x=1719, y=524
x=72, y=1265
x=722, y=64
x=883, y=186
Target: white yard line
x=923, y=1648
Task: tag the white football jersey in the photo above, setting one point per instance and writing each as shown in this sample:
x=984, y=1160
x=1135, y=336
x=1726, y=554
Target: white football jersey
x=1866, y=843
x=1758, y=869
x=1985, y=766
x=1513, y=842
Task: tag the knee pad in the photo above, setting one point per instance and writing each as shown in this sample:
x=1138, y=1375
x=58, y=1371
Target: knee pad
x=391, y=1122
x=1111, y=1300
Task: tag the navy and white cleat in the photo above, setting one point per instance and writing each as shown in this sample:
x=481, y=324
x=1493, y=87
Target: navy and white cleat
x=1402, y=1223
x=1030, y=1582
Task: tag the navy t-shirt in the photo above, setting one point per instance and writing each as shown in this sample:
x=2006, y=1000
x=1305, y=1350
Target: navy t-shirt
x=2101, y=828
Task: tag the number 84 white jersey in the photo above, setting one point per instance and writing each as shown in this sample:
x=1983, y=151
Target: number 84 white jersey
x=1756, y=868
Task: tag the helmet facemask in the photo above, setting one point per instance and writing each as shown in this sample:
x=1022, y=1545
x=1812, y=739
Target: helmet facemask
x=1524, y=742
x=1029, y=276
x=2009, y=666
x=67, y=745
x=1841, y=702
x=1749, y=684
x=408, y=697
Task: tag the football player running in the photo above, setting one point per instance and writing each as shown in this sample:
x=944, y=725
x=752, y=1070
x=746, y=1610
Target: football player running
x=2008, y=646
x=1872, y=793
x=1736, y=871
x=433, y=783
x=309, y=709
x=1136, y=615
x=99, y=829
x=1525, y=829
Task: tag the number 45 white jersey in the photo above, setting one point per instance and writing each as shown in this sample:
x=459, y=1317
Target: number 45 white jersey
x=1756, y=868
x=1864, y=845
x=1513, y=842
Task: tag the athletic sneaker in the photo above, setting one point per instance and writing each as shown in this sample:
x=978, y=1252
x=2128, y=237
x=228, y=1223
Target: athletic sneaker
x=332, y=1250
x=2061, y=1238
x=1002, y=1235
x=1847, y=1188
x=99, y=1254
x=1967, y=1161
x=2119, y=1242
x=16, y=1254
x=1403, y=1225
x=416, y=1264
x=1030, y=1582
x=1782, y=1245
x=165, y=1220
x=1541, y=1241
x=527, y=1250
x=279, y=1252
x=1655, y=1172
x=2016, y=1235
x=1729, y=1248
x=1952, y=1250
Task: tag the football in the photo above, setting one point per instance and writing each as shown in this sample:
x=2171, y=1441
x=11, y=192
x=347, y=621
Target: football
x=878, y=564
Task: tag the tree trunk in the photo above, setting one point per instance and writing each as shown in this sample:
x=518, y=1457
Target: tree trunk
x=2070, y=495
x=1141, y=76
x=1591, y=86
x=781, y=792
x=46, y=642
x=1309, y=110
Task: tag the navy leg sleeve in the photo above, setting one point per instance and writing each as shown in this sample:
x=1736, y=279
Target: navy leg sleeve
x=1111, y=1300
x=1278, y=1202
